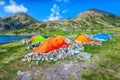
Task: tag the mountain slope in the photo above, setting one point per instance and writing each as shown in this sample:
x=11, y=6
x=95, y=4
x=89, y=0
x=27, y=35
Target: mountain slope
x=92, y=19
x=16, y=21
x=93, y=13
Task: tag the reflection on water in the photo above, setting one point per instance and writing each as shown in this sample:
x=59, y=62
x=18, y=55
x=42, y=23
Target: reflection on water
x=11, y=38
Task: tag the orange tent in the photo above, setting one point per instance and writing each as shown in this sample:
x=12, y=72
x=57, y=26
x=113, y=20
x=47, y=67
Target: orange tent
x=51, y=44
x=32, y=38
x=82, y=38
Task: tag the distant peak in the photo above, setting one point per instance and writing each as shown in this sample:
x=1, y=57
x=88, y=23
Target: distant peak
x=92, y=12
x=99, y=11
x=94, y=9
x=21, y=13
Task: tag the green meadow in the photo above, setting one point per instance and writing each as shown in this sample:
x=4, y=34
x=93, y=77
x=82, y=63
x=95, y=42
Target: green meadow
x=106, y=68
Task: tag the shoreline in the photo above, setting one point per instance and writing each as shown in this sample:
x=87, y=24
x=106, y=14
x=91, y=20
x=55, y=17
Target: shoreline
x=16, y=34
x=12, y=40
x=9, y=42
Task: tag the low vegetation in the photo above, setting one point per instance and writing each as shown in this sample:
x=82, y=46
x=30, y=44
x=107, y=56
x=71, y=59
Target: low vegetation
x=107, y=68
x=109, y=65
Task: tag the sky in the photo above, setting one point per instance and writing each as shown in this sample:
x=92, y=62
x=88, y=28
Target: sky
x=48, y=10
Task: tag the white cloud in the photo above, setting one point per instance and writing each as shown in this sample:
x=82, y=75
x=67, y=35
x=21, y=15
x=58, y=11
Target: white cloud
x=2, y=2
x=64, y=11
x=55, y=13
x=14, y=8
x=65, y=1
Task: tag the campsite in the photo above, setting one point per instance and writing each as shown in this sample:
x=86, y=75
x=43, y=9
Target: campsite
x=59, y=40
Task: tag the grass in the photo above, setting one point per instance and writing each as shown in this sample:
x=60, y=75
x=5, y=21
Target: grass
x=10, y=60
x=108, y=68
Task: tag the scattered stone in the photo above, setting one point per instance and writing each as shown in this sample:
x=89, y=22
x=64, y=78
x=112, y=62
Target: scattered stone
x=24, y=59
x=25, y=41
x=43, y=59
x=37, y=62
x=90, y=36
x=51, y=59
x=61, y=53
x=66, y=66
x=20, y=73
x=29, y=58
x=85, y=56
x=26, y=76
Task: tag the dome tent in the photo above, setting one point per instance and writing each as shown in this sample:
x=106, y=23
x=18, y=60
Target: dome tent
x=51, y=44
x=101, y=36
x=38, y=39
x=82, y=38
x=110, y=34
x=32, y=38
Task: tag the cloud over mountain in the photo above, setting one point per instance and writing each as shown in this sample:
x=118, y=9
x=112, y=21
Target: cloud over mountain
x=15, y=8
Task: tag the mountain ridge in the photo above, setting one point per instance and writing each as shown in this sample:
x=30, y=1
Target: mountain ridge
x=16, y=21
x=89, y=19
x=93, y=12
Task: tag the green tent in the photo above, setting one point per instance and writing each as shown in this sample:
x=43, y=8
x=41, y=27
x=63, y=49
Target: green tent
x=74, y=35
x=38, y=39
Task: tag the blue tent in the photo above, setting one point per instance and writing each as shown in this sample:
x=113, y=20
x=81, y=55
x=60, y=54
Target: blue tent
x=101, y=36
x=111, y=34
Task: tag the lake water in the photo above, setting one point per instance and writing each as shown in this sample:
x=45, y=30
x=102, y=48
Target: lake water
x=9, y=38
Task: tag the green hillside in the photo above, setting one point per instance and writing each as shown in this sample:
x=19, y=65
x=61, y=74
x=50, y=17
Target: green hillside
x=91, y=20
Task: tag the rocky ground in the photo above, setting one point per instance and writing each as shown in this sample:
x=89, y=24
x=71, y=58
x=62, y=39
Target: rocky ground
x=62, y=70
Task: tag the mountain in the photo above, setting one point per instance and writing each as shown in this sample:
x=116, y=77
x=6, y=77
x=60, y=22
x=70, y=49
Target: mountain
x=95, y=18
x=92, y=19
x=16, y=21
x=92, y=13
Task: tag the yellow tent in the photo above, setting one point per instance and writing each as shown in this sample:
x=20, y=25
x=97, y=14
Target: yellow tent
x=82, y=38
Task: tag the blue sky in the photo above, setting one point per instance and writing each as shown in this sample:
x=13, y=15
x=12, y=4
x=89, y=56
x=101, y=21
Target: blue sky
x=44, y=10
